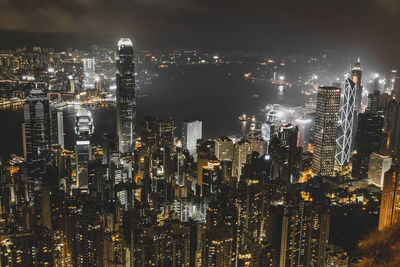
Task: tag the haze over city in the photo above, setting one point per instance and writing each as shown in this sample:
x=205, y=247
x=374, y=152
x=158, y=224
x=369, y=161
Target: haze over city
x=199, y=133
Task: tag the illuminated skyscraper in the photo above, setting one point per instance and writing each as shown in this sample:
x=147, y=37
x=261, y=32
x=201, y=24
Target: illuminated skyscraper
x=224, y=149
x=346, y=120
x=83, y=147
x=240, y=151
x=165, y=133
x=36, y=133
x=126, y=99
x=305, y=235
x=191, y=131
x=390, y=203
x=305, y=124
x=325, y=130
x=221, y=233
x=89, y=69
x=57, y=127
x=368, y=140
x=356, y=74
x=391, y=129
x=149, y=135
x=378, y=165
x=373, y=102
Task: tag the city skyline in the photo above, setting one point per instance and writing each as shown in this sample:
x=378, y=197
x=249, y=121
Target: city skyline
x=190, y=133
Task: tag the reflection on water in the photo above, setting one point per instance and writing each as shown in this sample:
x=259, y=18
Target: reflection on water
x=205, y=91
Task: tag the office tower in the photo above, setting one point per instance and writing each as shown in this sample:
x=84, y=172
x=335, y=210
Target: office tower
x=191, y=131
x=373, y=102
x=375, y=85
x=289, y=140
x=240, y=151
x=289, y=135
x=265, y=131
x=89, y=69
x=211, y=177
x=181, y=167
x=36, y=133
x=305, y=124
x=57, y=127
x=391, y=129
x=126, y=98
x=83, y=146
x=165, y=133
x=392, y=79
x=378, y=165
x=368, y=140
x=167, y=244
x=356, y=74
x=224, y=149
x=396, y=86
x=221, y=233
x=203, y=156
x=305, y=235
x=110, y=149
x=390, y=203
x=84, y=235
x=149, y=135
x=325, y=130
x=346, y=119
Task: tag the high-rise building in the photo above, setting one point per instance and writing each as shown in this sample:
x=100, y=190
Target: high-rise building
x=126, y=98
x=396, y=85
x=305, y=235
x=221, y=233
x=391, y=143
x=368, y=140
x=36, y=133
x=356, y=74
x=390, y=203
x=326, y=119
x=373, y=102
x=291, y=152
x=191, y=132
x=165, y=133
x=378, y=165
x=305, y=124
x=89, y=69
x=346, y=119
x=224, y=149
x=83, y=146
x=240, y=151
x=149, y=135
x=57, y=127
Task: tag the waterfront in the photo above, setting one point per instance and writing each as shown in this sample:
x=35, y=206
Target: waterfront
x=219, y=93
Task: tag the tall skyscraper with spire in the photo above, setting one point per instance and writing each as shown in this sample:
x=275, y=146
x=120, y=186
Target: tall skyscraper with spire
x=126, y=99
x=36, y=134
x=356, y=74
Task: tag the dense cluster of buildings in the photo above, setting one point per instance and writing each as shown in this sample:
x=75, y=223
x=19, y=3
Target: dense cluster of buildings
x=152, y=198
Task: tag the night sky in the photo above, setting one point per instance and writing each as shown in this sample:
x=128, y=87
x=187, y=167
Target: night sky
x=367, y=26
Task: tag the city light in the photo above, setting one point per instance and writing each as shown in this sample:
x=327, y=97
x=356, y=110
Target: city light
x=193, y=148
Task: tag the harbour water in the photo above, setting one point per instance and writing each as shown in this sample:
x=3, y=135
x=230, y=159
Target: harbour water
x=216, y=94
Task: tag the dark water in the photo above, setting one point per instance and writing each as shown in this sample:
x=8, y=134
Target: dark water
x=215, y=94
